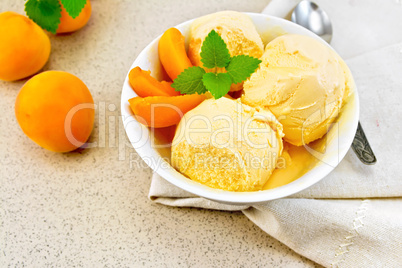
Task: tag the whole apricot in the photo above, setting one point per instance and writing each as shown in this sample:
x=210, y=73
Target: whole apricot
x=56, y=110
x=24, y=47
x=68, y=24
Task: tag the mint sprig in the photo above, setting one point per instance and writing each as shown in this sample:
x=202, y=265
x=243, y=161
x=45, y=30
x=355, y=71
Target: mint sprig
x=47, y=13
x=214, y=53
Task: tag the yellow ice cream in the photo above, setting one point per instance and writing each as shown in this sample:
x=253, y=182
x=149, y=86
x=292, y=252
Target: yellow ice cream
x=235, y=28
x=227, y=145
x=303, y=83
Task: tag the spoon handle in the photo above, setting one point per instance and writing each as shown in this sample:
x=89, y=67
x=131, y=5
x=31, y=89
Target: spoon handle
x=362, y=147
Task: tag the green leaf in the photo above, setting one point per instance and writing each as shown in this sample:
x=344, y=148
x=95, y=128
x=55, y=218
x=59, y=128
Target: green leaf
x=46, y=13
x=190, y=81
x=217, y=83
x=73, y=7
x=214, y=52
x=241, y=67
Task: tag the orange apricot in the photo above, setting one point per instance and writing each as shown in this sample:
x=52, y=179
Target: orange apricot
x=145, y=85
x=69, y=24
x=24, y=47
x=172, y=53
x=56, y=110
x=163, y=111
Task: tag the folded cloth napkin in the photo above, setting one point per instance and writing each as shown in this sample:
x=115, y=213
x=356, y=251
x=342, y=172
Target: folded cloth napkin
x=353, y=217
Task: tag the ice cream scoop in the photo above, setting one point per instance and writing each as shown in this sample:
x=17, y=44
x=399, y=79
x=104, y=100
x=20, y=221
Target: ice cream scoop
x=235, y=28
x=312, y=17
x=227, y=145
x=303, y=83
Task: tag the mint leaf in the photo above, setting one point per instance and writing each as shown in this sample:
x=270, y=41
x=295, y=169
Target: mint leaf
x=45, y=13
x=214, y=52
x=73, y=7
x=217, y=83
x=241, y=67
x=190, y=81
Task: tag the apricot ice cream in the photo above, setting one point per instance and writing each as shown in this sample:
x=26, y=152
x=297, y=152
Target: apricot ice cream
x=303, y=83
x=235, y=28
x=227, y=145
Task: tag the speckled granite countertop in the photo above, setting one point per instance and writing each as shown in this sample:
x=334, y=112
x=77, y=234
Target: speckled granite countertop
x=90, y=208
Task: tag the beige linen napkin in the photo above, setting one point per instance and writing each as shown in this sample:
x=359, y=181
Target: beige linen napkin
x=333, y=223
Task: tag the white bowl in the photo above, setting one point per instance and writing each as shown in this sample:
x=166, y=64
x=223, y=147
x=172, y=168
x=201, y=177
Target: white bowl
x=339, y=138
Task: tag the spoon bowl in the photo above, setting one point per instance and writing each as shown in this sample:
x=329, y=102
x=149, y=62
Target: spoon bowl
x=312, y=17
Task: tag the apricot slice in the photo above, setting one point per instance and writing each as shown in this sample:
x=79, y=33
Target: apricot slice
x=172, y=53
x=163, y=111
x=145, y=85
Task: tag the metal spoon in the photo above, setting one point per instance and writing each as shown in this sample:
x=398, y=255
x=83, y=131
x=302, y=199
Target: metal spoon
x=312, y=17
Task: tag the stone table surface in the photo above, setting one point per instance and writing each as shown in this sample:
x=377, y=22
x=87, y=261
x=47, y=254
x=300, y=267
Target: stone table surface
x=90, y=208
